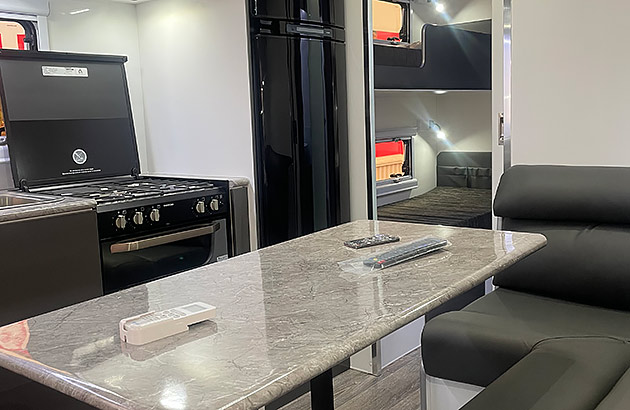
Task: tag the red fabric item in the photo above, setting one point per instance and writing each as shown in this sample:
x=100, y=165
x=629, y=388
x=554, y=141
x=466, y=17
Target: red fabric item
x=21, y=41
x=384, y=149
x=0, y=40
x=384, y=35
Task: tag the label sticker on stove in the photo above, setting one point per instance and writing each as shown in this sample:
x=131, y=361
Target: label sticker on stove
x=82, y=171
x=79, y=156
x=54, y=71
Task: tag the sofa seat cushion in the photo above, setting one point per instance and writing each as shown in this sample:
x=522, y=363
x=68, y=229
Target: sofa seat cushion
x=479, y=343
x=564, y=373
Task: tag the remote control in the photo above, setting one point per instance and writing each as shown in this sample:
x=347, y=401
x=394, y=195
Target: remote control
x=377, y=239
x=152, y=326
x=405, y=253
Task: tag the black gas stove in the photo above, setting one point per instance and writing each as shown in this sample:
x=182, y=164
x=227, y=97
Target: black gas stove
x=70, y=132
x=133, y=206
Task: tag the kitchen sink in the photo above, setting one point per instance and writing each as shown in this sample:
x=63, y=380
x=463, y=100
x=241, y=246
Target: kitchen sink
x=9, y=199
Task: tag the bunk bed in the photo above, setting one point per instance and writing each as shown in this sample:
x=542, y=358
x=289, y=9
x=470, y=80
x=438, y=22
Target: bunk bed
x=451, y=57
x=463, y=196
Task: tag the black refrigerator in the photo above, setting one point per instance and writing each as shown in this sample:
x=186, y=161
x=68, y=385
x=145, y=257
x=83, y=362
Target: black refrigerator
x=298, y=62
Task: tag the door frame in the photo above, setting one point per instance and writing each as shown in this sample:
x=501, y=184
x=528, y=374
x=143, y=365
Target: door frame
x=370, y=134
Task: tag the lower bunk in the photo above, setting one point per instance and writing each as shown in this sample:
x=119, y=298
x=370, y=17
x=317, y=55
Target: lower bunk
x=462, y=198
x=453, y=206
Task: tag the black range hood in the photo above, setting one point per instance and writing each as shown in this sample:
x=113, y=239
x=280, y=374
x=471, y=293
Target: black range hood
x=68, y=117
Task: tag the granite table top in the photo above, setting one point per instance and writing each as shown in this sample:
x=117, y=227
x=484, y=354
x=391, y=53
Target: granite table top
x=49, y=205
x=285, y=314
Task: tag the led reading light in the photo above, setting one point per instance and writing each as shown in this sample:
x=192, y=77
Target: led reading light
x=439, y=7
x=434, y=126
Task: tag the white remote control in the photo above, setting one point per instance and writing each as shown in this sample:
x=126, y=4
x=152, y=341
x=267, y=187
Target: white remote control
x=152, y=326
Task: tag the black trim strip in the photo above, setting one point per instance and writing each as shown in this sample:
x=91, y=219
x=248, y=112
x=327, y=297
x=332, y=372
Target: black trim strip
x=368, y=108
x=61, y=56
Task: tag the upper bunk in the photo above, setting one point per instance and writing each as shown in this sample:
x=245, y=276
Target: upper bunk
x=447, y=57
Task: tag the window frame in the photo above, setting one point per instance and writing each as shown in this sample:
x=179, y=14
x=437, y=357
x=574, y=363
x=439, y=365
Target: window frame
x=30, y=31
x=405, y=30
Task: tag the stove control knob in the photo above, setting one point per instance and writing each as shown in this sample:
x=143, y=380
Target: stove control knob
x=155, y=215
x=138, y=218
x=214, y=204
x=200, y=207
x=121, y=222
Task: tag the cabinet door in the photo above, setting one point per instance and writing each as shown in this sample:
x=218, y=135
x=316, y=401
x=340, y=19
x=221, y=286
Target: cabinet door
x=300, y=83
x=48, y=263
x=329, y=12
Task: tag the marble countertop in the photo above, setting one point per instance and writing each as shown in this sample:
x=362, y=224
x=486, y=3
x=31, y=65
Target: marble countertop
x=50, y=205
x=284, y=315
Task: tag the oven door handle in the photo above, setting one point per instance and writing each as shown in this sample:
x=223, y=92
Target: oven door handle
x=124, y=247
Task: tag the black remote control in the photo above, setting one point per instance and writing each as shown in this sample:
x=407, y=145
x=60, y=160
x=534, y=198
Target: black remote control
x=377, y=239
x=405, y=253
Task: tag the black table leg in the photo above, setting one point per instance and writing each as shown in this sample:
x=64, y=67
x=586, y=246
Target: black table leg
x=322, y=397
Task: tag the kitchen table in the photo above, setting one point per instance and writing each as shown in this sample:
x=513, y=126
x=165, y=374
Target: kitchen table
x=285, y=316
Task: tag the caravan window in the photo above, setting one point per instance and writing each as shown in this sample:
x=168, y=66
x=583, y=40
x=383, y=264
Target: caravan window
x=17, y=35
x=390, y=19
x=393, y=159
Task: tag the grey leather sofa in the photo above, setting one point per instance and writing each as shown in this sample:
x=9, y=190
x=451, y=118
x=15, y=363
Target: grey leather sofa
x=556, y=332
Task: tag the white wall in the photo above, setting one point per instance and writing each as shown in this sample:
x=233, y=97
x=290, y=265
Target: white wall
x=570, y=82
x=356, y=109
x=107, y=28
x=465, y=117
x=196, y=86
x=195, y=75
x=473, y=10
x=455, y=12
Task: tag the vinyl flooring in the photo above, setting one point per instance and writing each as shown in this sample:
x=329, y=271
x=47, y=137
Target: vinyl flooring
x=397, y=388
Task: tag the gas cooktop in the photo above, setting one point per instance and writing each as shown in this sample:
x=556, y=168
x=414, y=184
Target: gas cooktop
x=110, y=191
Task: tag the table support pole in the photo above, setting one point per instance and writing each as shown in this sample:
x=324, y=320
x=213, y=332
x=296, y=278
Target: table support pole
x=322, y=396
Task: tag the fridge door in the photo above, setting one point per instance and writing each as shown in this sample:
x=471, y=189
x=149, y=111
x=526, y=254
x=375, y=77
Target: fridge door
x=327, y=12
x=301, y=133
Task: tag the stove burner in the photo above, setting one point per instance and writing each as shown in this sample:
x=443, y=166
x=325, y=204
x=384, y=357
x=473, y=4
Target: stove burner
x=106, y=192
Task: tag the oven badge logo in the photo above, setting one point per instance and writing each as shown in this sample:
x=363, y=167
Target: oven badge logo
x=79, y=156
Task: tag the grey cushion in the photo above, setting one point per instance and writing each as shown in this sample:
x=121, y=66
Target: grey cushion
x=619, y=396
x=563, y=193
x=585, y=214
x=584, y=263
x=478, y=344
x=572, y=374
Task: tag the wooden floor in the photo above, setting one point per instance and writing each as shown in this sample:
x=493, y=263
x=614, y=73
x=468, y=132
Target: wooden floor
x=397, y=388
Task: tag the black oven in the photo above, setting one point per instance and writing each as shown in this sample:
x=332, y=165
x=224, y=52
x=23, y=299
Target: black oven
x=143, y=258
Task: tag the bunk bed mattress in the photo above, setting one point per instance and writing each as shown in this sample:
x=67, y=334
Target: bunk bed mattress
x=453, y=206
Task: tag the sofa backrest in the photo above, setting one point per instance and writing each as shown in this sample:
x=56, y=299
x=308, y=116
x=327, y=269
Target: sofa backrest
x=585, y=214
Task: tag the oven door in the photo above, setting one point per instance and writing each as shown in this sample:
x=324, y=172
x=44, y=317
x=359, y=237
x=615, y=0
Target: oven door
x=141, y=259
